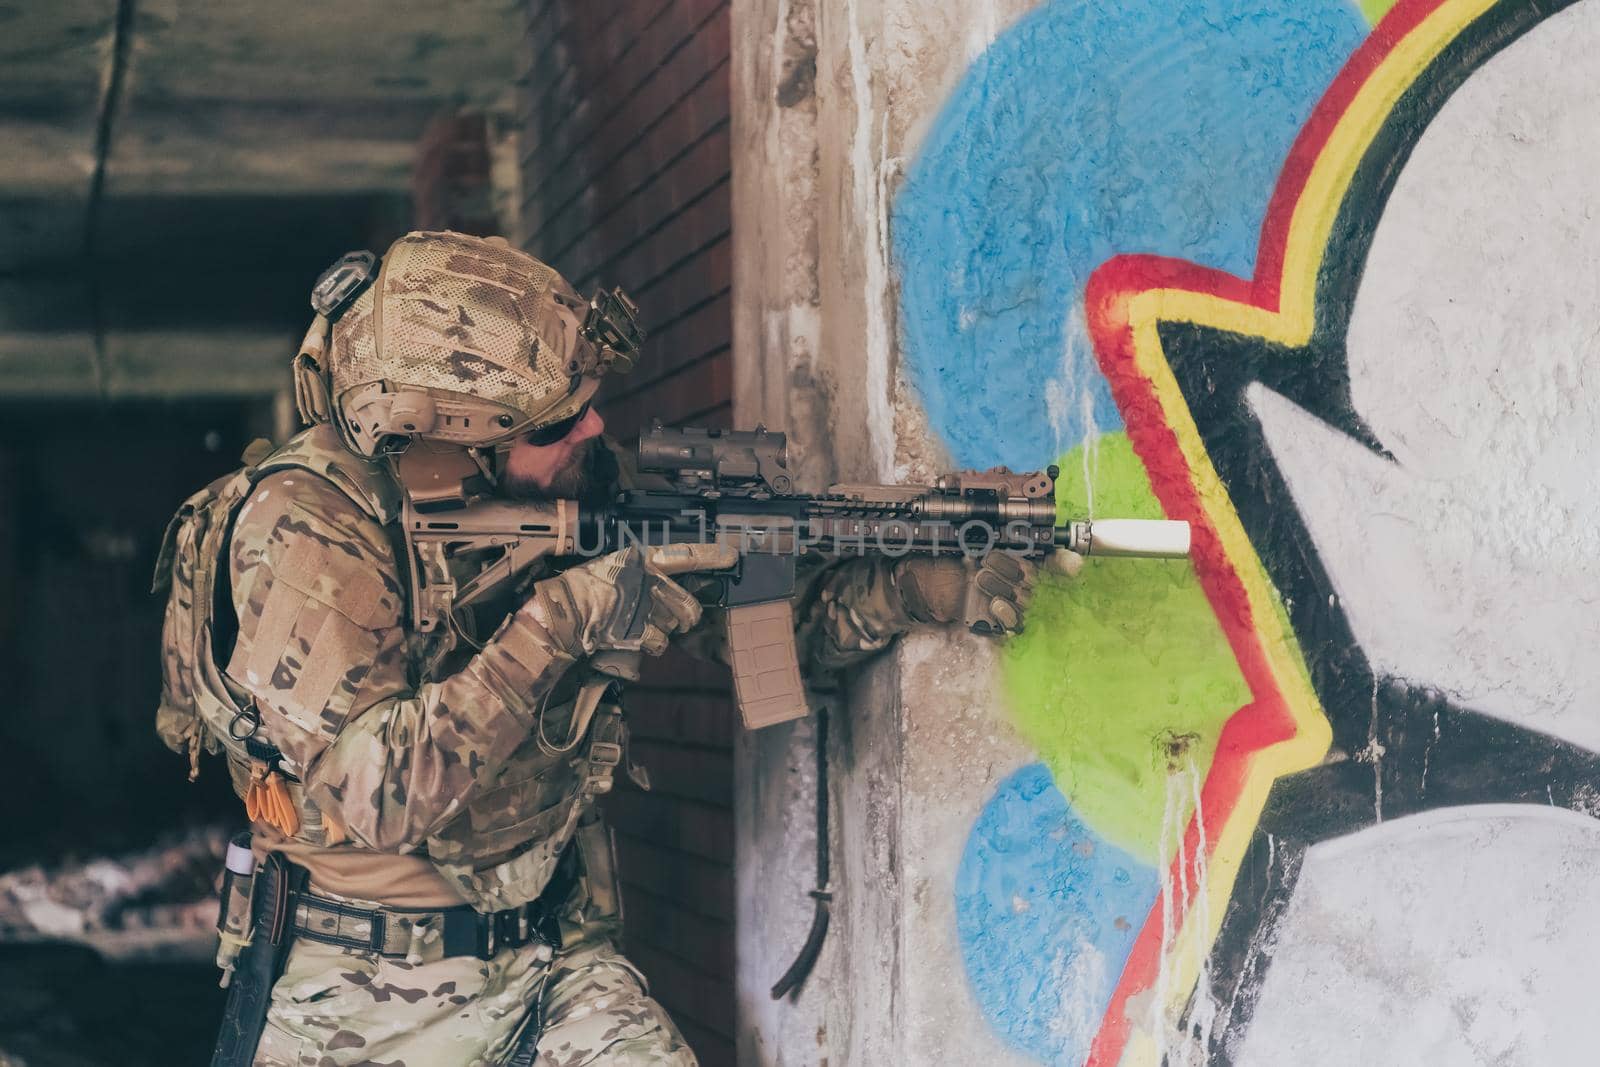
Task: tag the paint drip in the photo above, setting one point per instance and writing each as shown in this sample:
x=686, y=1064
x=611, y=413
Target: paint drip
x=1077, y=383
x=1203, y=1010
x=1183, y=1038
x=1427, y=752
x=1374, y=753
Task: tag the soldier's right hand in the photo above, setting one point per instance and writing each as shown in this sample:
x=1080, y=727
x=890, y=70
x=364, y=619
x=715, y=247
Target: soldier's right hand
x=626, y=601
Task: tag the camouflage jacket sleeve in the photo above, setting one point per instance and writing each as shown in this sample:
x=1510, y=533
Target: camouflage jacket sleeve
x=845, y=610
x=322, y=647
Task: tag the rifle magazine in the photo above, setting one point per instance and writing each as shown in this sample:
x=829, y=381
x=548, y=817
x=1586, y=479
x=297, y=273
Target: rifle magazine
x=766, y=667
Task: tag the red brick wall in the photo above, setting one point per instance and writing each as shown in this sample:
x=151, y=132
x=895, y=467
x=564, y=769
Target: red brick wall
x=623, y=127
x=625, y=179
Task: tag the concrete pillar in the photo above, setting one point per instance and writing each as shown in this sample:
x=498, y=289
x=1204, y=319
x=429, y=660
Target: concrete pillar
x=1316, y=277
x=826, y=100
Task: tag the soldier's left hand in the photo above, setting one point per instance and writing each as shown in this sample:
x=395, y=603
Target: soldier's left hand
x=1001, y=587
x=988, y=597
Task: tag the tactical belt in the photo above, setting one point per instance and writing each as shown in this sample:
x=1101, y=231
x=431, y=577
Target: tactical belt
x=421, y=935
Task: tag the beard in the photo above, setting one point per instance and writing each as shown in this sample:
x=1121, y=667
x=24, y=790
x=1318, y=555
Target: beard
x=587, y=475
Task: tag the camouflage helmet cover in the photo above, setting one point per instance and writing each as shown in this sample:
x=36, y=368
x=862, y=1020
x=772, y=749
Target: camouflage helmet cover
x=462, y=339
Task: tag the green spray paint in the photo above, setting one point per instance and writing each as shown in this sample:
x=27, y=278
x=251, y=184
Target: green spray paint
x=1123, y=670
x=1373, y=10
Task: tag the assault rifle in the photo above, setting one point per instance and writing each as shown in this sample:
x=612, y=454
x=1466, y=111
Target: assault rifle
x=735, y=487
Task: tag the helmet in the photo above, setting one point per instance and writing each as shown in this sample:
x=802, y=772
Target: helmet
x=457, y=339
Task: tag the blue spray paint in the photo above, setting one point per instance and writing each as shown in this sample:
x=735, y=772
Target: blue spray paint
x=1087, y=130
x=1047, y=914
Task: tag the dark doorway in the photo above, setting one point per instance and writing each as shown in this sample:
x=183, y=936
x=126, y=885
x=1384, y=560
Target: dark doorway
x=85, y=493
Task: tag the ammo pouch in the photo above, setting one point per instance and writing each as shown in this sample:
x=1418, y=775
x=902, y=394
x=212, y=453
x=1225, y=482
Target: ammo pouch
x=515, y=881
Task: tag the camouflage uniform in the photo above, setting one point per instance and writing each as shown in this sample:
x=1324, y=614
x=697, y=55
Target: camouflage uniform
x=416, y=768
x=444, y=766
x=336, y=1007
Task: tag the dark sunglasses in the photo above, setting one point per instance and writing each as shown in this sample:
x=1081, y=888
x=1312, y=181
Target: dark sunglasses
x=549, y=435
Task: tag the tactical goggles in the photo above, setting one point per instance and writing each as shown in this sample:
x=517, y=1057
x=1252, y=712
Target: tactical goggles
x=556, y=431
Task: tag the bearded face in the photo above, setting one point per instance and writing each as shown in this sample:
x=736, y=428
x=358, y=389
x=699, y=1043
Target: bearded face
x=585, y=471
x=576, y=467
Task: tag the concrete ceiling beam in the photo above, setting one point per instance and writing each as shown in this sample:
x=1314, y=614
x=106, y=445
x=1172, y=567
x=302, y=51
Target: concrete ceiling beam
x=145, y=364
x=176, y=173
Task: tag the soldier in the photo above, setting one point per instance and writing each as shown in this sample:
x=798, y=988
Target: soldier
x=433, y=884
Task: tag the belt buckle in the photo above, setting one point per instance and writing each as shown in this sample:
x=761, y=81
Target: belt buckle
x=502, y=929
x=464, y=933
x=605, y=753
x=511, y=927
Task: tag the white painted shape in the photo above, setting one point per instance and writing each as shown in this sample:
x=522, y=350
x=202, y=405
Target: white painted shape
x=1076, y=982
x=1460, y=936
x=1427, y=597
x=1474, y=564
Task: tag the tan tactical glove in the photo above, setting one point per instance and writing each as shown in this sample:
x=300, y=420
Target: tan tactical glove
x=626, y=601
x=988, y=598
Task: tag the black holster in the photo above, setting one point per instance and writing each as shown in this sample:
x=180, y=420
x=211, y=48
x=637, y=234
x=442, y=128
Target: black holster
x=260, y=962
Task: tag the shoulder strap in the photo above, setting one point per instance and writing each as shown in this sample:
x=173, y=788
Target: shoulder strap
x=366, y=482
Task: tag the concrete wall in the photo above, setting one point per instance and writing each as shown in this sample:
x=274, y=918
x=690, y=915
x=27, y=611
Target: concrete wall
x=1318, y=277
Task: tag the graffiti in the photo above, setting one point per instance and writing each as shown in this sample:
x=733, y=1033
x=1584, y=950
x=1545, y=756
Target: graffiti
x=1036, y=172
x=1370, y=696
x=994, y=335
x=1441, y=687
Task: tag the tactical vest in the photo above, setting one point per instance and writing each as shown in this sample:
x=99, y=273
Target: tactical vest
x=504, y=846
